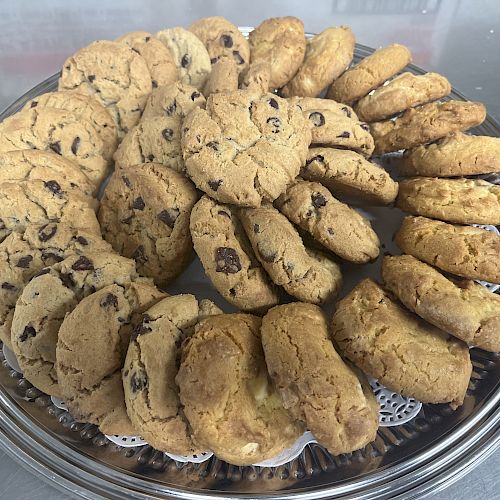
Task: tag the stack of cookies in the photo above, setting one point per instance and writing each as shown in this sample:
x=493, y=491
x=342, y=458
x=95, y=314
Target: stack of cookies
x=248, y=154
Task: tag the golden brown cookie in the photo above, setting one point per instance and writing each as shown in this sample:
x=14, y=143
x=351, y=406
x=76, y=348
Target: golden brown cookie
x=223, y=77
x=256, y=78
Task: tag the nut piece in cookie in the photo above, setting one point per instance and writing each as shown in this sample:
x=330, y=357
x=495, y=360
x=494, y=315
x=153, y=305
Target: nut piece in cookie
x=144, y=214
x=190, y=55
x=370, y=73
x=403, y=92
x=327, y=56
x=334, y=224
x=245, y=147
x=349, y=174
x=47, y=298
x=463, y=308
x=279, y=42
x=226, y=393
x=308, y=275
x=466, y=251
x=315, y=385
x=227, y=257
x=113, y=74
x=223, y=77
x=400, y=350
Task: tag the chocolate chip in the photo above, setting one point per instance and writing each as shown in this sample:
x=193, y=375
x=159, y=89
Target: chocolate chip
x=83, y=241
x=67, y=280
x=83, y=264
x=169, y=216
x=214, y=185
x=168, y=134
x=126, y=181
x=227, y=260
x=347, y=111
x=34, y=104
x=273, y=103
x=151, y=157
x=224, y=214
x=232, y=292
x=24, y=262
x=309, y=213
x=318, y=200
x=344, y=135
x=56, y=147
x=75, y=145
x=28, y=332
x=110, y=300
x=274, y=122
x=154, y=84
x=170, y=110
x=50, y=258
x=8, y=286
x=331, y=231
x=256, y=228
x=146, y=39
x=138, y=204
x=41, y=272
x=142, y=328
x=317, y=119
x=138, y=381
x=185, y=61
x=365, y=126
x=53, y=186
x=213, y=145
x=214, y=60
x=318, y=158
x=266, y=255
x=237, y=57
x=139, y=255
x=195, y=95
x=226, y=41
x=91, y=78
x=45, y=233
x=127, y=220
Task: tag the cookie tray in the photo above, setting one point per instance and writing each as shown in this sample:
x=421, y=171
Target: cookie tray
x=412, y=460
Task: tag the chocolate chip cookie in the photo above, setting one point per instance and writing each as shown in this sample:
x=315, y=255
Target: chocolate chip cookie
x=403, y=92
x=144, y=214
x=463, y=201
x=370, y=73
x=227, y=257
x=256, y=78
x=334, y=124
x=337, y=407
x=47, y=298
x=334, y=224
x=426, y=124
x=245, y=147
x=396, y=347
x=348, y=173
x=91, y=348
x=226, y=393
x=222, y=78
x=190, y=55
x=279, y=42
x=327, y=56
x=306, y=274
x=467, y=251
x=152, y=362
x=463, y=308
x=115, y=75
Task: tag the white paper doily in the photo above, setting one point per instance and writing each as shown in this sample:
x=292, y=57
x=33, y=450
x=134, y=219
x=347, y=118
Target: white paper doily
x=126, y=441
x=195, y=459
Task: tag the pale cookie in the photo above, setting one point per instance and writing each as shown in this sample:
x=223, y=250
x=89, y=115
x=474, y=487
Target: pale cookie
x=85, y=107
x=158, y=58
x=47, y=298
x=463, y=308
x=113, y=74
x=223, y=77
x=256, y=78
x=39, y=202
x=334, y=124
x=144, y=214
x=190, y=55
x=22, y=255
x=466, y=251
x=32, y=164
x=226, y=393
x=245, y=147
x=305, y=274
x=60, y=131
x=348, y=173
x=463, y=201
x=403, y=92
x=327, y=56
x=152, y=362
x=337, y=407
x=401, y=351
x=454, y=155
x=227, y=257
x=91, y=348
x=426, y=124
x=176, y=99
x=279, y=42
x=370, y=73
x=334, y=224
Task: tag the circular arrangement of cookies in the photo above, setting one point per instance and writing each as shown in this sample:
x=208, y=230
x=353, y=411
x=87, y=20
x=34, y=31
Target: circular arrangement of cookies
x=260, y=157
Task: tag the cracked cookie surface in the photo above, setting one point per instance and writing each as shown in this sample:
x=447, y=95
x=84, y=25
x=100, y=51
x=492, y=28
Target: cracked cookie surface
x=400, y=350
x=245, y=147
x=228, y=398
x=91, y=349
x=47, y=298
x=315, y=385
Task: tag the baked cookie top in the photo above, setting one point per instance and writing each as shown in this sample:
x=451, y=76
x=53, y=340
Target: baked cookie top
x=245, y=147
